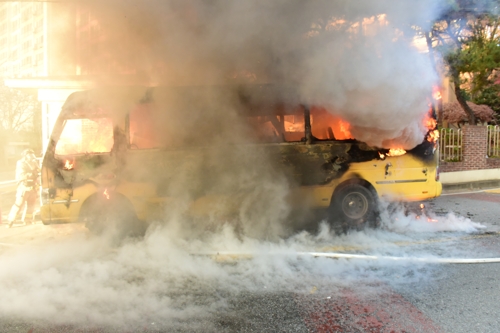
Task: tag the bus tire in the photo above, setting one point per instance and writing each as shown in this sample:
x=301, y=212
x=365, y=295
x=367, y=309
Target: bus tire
x=353, y=207
x=113, y=217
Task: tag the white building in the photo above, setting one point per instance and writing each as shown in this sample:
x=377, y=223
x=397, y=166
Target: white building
x=35, y=55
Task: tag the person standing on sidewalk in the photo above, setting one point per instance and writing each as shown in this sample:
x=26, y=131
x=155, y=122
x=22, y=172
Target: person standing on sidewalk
x=27, y=187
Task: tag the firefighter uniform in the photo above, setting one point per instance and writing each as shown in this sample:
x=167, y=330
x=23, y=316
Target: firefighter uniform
x=27, y=170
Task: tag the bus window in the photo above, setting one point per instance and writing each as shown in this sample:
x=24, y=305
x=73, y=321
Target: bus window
x=326, y=126
x=81, y=136
x=294, y=127
x=282, y=128
x=263, y=130
x=143, y=128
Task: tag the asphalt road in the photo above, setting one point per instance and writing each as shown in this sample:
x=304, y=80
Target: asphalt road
x=61, y=279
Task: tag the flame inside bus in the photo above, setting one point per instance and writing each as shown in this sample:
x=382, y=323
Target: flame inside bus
x=68, y=165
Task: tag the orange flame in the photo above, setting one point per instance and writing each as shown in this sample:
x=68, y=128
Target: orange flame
x=106, y=194
x=436, y=93
x=430, y=123
x=345, y=128
x=382, y=156
x=433, y=136
x=68, y=165
x=326, y=124
x=396, y=152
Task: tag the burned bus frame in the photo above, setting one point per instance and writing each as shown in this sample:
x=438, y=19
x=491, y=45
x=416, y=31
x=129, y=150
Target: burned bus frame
x=341, y=177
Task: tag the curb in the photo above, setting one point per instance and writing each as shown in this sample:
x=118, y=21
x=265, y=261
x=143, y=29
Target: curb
x=471, y=186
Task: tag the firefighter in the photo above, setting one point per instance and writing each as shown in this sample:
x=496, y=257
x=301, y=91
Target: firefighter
x=27, y=170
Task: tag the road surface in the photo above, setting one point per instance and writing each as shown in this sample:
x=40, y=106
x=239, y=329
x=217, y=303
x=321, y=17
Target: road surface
x=61, y=279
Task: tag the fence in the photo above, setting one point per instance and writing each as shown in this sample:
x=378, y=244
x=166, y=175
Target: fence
x=450, y=145
x=469, y=148
x=493, y=149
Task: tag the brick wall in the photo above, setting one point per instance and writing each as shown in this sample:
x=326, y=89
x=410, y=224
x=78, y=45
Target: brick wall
x=475, y=140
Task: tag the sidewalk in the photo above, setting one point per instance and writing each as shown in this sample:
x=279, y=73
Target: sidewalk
x=471, y=186
x=7, y=175
x=7, y=181
x=471, y=180
x=7, y=193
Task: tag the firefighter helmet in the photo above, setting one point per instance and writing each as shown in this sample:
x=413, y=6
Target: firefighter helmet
x=28, y=151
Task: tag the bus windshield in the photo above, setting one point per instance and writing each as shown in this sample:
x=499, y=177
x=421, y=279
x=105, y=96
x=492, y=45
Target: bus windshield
x=85, y=135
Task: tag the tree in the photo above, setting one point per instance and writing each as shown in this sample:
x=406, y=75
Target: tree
x=20, y=118
x=17, y=110
x=454, y=113
x=467, y=34
x=480, y=61
x=490, y=96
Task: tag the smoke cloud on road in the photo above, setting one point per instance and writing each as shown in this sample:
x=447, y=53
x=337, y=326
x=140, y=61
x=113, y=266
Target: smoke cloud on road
x=168, y=279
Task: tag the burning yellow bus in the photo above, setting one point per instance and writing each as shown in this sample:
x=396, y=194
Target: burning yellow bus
x=123, y=156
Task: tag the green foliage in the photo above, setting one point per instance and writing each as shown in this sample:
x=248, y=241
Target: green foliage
x=479, y=55
x=468, y=36
x=491, y=97
x=480, y=59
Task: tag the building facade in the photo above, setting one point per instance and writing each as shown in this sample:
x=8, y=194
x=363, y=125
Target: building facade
x=38, y=55
x=52, y=49
x=23, y=43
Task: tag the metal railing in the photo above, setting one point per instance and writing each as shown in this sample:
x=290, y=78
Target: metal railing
x=493, y=141
x=450, y=145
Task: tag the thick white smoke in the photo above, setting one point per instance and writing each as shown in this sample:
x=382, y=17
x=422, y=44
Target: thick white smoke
x=67, y=277
x=356, y=58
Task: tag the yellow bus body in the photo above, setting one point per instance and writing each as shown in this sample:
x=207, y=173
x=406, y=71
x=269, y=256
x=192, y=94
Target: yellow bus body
x=316, y=168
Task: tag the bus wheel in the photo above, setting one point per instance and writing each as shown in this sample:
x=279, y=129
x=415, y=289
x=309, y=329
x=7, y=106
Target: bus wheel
x=353, y=207
x=114, y=218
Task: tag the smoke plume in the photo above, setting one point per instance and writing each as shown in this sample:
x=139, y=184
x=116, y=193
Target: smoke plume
x=357, y=59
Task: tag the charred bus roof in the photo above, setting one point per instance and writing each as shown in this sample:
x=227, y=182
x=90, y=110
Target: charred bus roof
x=262, y=99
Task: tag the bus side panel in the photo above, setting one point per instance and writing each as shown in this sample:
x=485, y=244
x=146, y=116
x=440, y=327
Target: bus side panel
x=66, y=204
x=400, y=178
